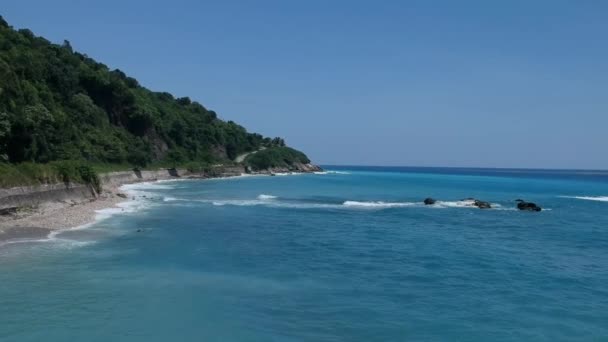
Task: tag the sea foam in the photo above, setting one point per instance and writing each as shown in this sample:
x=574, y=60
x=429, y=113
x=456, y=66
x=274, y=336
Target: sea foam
x=589, y=198
x=377, y=204
x=266, y=197
x=331, y=172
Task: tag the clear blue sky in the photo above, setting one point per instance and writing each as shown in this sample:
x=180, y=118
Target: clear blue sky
x=437, y=83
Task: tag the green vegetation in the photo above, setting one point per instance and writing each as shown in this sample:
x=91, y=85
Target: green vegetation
x=57, y=105
x=53, y=172
x=275, y=157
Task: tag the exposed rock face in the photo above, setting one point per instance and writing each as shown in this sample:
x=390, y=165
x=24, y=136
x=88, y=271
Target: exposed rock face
x=429, y=201
x=296, y=167
x=307, y=167
x=159, y=146
x=528, y=206
x=219, y=152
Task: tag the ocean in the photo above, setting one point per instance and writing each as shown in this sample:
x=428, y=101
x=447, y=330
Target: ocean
x=350, y=254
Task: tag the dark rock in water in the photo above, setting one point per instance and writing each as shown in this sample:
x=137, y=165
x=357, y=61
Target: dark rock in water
x=121, y=195
x=429, y=201
x=482, y=204
x=8, y=211
x=139, y=230
x=477, y=203
x=528, y=206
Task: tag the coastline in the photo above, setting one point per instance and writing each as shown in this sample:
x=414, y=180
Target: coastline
x=56, y=216
x=51, y=216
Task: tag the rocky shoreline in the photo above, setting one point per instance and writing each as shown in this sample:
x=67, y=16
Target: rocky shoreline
x=34, y=212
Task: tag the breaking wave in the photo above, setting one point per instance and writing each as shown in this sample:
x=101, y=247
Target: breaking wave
x=331, y=173
x=266, y=197
x=279, y=202
x=275, y=202
x=378, y=204
x=589, y=198
x=460, y=204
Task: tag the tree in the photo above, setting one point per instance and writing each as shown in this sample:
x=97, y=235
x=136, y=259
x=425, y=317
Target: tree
x=5, y=129
x=176, y=157
x=38, y=124
x=184, y=101
x=66, y=45
x=3, y=22
x=58, y=104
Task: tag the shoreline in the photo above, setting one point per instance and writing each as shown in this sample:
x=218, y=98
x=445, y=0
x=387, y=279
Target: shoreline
x=55, y=216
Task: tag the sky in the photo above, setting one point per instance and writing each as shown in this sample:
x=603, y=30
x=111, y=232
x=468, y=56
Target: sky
x=520, y=84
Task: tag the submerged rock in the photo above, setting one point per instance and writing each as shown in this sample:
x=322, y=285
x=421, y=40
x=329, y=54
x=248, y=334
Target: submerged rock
x=121, y=195
x=528, y=206
x=429, y=201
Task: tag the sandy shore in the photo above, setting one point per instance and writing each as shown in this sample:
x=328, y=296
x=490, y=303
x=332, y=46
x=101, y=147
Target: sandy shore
x=38, y=223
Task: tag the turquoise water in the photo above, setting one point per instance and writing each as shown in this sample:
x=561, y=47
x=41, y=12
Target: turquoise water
x=346, y=256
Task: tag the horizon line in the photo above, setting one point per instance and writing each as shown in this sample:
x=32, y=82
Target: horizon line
x=467, y=167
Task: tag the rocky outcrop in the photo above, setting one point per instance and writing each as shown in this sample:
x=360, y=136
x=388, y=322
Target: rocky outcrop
x=307, y=167
x=527, y=206
x=482, y=204
x=429, y=201
x=477, y=203
x=295, y=168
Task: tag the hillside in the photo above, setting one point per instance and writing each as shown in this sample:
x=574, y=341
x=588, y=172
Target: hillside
x=58, y=104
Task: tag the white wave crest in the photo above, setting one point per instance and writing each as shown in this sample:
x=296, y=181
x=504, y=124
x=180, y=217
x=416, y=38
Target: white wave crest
x=289, y=173
x=377, y=204
x=240, y=203
x=330, y=172
x=276, y=202
x=460, y=204
x=58, y=242
x=266, y=197
x=272, y=204
x=157, y=185
x=589, y=198
x=454, y=204
x=131, y=206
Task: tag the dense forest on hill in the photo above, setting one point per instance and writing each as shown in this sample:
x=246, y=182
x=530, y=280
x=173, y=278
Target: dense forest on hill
x=58, y=104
